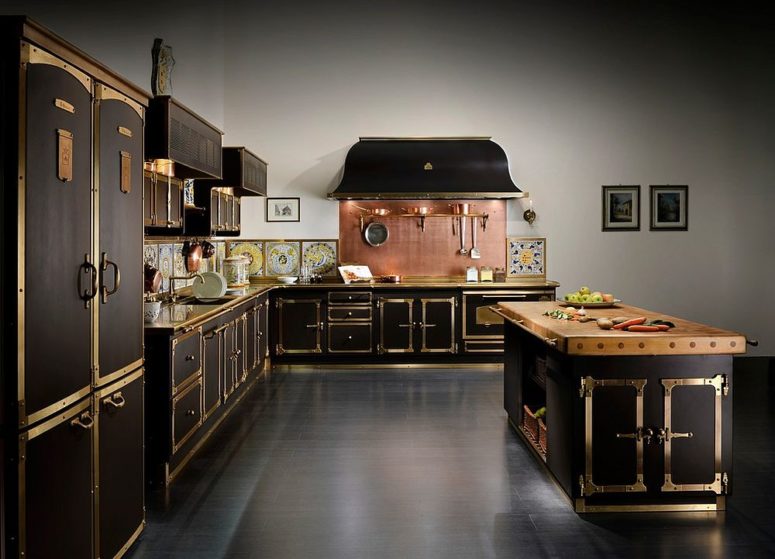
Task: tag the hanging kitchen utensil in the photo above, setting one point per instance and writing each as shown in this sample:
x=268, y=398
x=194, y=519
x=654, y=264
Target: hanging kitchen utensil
x=376, y=233
x=153, y=279
x=474, y=249
x=462, y=227
x=192, y=252
x=208, y=249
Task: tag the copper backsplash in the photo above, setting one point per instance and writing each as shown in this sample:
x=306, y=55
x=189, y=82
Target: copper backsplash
x=411, y=252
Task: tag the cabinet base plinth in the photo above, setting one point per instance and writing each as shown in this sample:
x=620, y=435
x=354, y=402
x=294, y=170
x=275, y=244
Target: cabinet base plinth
x=580, y=505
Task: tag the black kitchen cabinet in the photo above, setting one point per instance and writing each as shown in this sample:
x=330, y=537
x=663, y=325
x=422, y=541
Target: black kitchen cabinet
x=417, y=323
x=71, y=163
x=163, y=207
x=196, y=375
x=215, y=213
x=262, y=331
x=300, y=327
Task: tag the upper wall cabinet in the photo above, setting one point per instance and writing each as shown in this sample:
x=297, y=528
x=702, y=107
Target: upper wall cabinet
x=243, y=171
x=174, y=132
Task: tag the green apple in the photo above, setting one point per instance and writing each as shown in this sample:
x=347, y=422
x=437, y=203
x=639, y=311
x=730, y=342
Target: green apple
x=584, y=298
x=568, y=296
x=584, y=290
x=596, y=298
x=574, y=298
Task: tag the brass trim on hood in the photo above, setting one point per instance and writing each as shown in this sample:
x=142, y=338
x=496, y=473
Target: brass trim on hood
x=427, y=195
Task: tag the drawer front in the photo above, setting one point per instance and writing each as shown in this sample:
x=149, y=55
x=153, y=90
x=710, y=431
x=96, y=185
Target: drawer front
x=345, y=313
x=186, y=358
x=349, y=338
x=186, y=414
x=349, y=297
x=479, y=322
x=483, y=346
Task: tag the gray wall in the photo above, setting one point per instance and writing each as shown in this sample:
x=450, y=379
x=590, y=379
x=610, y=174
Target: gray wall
x=578, y=97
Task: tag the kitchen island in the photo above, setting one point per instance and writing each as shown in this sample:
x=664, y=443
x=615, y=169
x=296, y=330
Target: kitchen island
x=634, y=421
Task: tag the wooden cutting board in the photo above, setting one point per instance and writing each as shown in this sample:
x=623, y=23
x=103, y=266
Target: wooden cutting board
x=586, y=338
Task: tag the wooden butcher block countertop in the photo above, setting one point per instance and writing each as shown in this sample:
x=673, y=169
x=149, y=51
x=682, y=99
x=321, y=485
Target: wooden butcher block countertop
x=586, y=338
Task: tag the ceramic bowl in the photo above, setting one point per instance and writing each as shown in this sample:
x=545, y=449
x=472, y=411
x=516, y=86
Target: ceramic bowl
x=286, y=279
x=151, y=310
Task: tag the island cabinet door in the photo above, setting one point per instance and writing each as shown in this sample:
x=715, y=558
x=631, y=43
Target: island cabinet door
x=614, y=436
x=437, y=325
x=692, y=434
x=300, y=326
x=396, y=325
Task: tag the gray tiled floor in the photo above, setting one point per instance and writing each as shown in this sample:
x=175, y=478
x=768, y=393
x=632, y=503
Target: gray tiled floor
x=423, y=464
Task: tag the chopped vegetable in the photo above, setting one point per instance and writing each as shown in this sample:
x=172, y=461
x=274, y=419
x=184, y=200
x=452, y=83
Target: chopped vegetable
x=630, y=322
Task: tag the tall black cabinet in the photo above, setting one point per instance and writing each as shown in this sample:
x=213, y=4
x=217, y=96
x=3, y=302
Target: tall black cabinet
x=72, y=354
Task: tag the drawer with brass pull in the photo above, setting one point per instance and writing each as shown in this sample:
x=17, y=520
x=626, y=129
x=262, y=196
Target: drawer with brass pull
x=349, y=337
x=346, y=313
x=349, y=297
x=186, y=358
x=186, y=414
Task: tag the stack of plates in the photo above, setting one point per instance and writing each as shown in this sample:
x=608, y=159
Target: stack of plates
x=211, y=287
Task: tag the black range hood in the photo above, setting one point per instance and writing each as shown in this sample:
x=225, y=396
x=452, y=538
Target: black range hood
x=426, y=167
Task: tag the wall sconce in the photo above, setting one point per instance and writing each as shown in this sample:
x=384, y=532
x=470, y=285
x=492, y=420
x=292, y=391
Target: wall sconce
x=529, y=215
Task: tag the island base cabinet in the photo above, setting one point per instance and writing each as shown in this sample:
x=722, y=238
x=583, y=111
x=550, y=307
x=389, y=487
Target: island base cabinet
x=630, y=433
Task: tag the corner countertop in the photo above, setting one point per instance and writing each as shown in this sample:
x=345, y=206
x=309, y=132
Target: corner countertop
x=177, y=317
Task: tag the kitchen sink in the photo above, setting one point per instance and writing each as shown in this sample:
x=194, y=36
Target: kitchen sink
x=195, y=301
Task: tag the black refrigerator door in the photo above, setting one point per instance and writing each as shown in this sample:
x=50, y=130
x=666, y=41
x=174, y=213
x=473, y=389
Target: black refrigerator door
x=59, y=274
x=56, y=460
x=119, y=153
x=120, y=503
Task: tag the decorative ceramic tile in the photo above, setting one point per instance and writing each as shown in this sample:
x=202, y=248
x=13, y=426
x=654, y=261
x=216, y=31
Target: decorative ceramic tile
x=166, y=264
x=282, y=258
x=526, y=257
x=319, y=256
x=151, y=254
x=179, y=266
x=220, y=254
x=204, y=265
x=253, y=250
x=188, y=193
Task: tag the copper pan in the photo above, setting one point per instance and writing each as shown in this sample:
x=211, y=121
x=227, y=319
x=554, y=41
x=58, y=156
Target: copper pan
x=153, y=279
x=192, y=252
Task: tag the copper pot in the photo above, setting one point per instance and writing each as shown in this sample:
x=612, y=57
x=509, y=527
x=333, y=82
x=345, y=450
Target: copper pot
x=192, y=252
x=208, y=249
x=153, y=279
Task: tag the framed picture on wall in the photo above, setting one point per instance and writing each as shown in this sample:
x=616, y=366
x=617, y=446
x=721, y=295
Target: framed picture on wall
x=669, y=208
x=526, y=257
x=282, y=209
x=621, y=208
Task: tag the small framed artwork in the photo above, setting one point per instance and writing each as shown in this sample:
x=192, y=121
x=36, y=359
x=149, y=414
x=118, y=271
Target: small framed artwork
x=669, y=208
x=526, y=257
x=282, y=209
x=621, y=208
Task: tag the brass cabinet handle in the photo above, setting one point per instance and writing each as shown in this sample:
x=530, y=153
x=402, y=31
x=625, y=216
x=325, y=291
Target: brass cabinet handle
x=85, y=295
x=116, y=400
x=349, y=337
x=220, y=329
x=311, y=326
x=426, y=325
x=504, y=297
x=405, y=325
x=191, y=412
x=349, y=313
x=189, y=358
x=116, y=277
x=551, y=341
x=84, y=421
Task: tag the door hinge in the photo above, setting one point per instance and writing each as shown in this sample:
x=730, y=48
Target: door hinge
x=582, y=392
x=724, y=483
x=724, y=390
x=456, y=302
x=455, y=347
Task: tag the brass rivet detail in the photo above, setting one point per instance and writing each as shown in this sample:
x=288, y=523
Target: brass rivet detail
x=580, y=346
x=712, y=344
x=672, y=344
x=641, y=345
x=600, y=346
x=692, y=344
x=621, y=345
x=733, y=344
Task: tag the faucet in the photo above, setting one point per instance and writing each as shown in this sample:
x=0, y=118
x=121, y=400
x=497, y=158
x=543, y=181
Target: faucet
x=172, y=295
